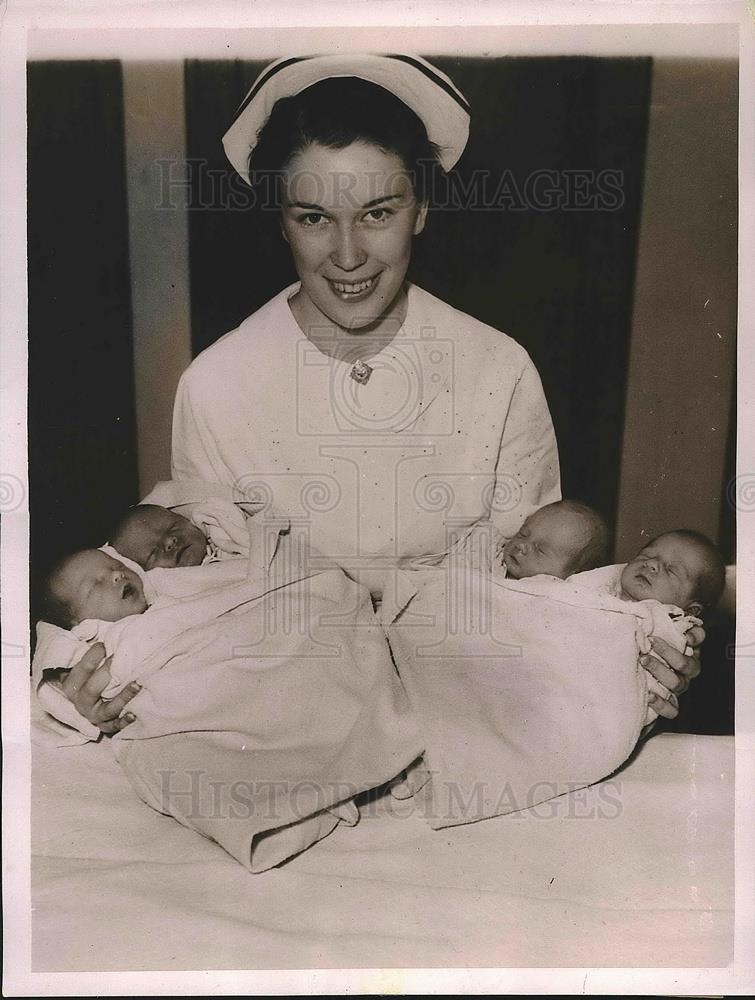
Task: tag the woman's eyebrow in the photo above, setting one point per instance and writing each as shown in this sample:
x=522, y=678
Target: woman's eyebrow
x=310, y=207
x=379, y=201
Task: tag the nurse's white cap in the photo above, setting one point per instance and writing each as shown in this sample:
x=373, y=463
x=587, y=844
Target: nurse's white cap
x=428, y=92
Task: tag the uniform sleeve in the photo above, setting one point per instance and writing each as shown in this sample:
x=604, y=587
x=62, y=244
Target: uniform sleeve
x=527, y=471
x=194, y=451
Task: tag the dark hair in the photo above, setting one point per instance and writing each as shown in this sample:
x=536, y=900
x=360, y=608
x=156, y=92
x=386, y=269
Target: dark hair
x=595, y=552
x=125, y=519
x=51, y=607
x=335, y=113
x=712, y=579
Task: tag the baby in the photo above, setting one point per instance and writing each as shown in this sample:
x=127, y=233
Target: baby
x=559, y=539
x=91, y=584
x=681, y=568
x=155, y=537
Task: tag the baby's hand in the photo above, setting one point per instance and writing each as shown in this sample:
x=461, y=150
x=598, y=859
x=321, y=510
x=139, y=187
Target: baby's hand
x=83, y=685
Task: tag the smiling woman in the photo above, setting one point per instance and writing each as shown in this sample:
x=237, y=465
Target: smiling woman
x=403, y=419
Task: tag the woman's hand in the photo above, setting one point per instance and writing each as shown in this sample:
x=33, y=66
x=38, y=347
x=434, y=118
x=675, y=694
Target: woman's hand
x=83, y=685
x=674, y=671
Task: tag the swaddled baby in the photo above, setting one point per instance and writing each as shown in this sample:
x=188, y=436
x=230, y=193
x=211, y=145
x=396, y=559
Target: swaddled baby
x=677, y=576
x=680, y=569
x=558, y=540
x=101, y=595
x=154, y=537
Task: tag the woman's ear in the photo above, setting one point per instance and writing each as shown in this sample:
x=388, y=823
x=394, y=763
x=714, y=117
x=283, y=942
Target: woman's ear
x=283, y=229
x=419, y=222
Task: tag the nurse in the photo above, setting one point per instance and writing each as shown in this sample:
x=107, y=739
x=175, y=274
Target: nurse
x=358, y=404
x=355, y=402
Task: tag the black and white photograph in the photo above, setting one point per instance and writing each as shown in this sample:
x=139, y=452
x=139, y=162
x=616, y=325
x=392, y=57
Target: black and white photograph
x=377, y=418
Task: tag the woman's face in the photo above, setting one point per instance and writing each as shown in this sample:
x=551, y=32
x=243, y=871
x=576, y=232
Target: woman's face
x=349, y=216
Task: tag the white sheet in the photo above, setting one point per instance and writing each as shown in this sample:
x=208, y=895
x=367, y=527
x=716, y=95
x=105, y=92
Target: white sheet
x=648, y=882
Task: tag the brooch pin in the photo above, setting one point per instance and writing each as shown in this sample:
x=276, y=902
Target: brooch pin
x=361, y=372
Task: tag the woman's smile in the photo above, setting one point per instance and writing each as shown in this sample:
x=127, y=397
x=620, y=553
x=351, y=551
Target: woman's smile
x=354, y=291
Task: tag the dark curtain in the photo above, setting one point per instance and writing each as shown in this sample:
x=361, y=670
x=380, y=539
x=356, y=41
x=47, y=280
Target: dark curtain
x=82, y=459
x=238, y=259
x=552, y=264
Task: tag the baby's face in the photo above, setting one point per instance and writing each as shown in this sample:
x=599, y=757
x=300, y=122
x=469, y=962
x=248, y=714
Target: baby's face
x=667, y=570
x=94, y=585
x=547, y=542
x=154, y=536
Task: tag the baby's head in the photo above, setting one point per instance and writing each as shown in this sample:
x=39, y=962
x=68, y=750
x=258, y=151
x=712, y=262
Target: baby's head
x=560, y=539
x=155, y=536
x=91, y=584
x=679, y=567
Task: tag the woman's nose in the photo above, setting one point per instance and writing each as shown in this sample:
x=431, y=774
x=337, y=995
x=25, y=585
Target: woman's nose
x=348, y=255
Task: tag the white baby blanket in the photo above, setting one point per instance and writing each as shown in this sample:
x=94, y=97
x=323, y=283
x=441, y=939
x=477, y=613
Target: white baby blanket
x=255, y=726
x=664, y=620
x=268, y=702
x=525, y=689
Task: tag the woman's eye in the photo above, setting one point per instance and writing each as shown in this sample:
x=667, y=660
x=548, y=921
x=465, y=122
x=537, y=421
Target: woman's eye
x=378, y=215
x=312, y=219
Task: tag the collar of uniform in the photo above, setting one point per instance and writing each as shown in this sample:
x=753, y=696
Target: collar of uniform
x=413, y=352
